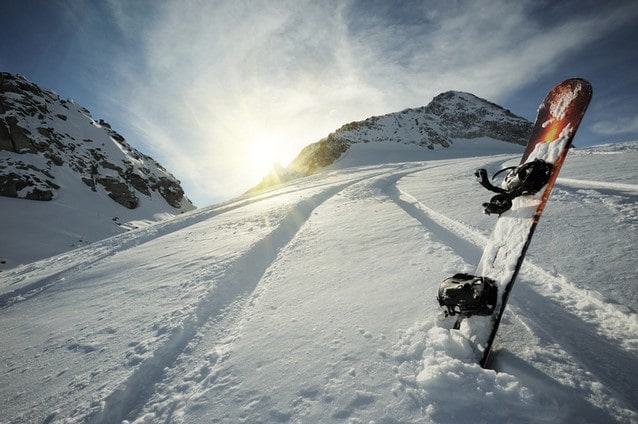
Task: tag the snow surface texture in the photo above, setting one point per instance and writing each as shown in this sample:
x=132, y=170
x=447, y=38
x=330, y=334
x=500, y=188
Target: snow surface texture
x=315, y=302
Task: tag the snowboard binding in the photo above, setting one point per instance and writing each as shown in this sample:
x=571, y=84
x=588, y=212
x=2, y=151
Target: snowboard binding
x=526, y=179
x=467, y=295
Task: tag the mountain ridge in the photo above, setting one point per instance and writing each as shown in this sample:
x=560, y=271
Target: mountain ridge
x=450, y=116
x=43, y=136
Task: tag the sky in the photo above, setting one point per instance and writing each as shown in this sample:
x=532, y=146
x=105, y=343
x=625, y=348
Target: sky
x=219, y=90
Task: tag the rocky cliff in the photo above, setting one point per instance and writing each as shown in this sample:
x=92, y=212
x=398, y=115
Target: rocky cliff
x=46, y=141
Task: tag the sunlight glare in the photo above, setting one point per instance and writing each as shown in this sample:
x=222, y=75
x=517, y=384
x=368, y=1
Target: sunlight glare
x=262, y=154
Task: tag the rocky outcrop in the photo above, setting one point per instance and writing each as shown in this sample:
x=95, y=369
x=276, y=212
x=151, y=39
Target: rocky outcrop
x=463, y=115
x=321, y=154
x=44, y=139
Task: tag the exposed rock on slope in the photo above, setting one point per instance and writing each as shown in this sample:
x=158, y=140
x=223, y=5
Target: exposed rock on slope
x=45, y=140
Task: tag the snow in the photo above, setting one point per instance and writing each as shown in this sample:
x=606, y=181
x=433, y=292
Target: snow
x=75, y=217
x=315, y=302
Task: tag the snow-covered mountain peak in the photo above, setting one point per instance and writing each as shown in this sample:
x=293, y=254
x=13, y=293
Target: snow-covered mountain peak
x=45, y=140
x=450, y=116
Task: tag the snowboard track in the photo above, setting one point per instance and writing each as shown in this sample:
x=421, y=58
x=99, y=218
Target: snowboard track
x=239, y=282
x=68, y=264
x=223, y=328
x=231, y=290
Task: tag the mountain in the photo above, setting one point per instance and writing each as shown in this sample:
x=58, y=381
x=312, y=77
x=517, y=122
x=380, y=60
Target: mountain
x=314, y=302
x=43, y=136
x=449, y=116
x=53, y=151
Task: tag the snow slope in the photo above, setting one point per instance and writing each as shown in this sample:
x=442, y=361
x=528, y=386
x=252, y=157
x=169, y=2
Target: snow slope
x=314, y=302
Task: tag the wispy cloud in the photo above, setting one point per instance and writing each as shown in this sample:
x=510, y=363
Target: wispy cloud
x=616, y=126
x=220, y=76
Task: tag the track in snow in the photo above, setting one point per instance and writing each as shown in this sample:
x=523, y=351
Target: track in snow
x=468, y=243
x=202, y=354
x=549, y=308
x=21, y=286
x=611, y=186
x=199, y=370
x=232, y=292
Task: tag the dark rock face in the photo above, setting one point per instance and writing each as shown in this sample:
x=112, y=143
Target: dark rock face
x=43, y=137
x=119, y=191
x=12, y=184
x=450, y=115
x=464, y=115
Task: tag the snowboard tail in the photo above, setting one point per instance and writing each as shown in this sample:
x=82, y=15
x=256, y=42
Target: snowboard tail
x=558, y=118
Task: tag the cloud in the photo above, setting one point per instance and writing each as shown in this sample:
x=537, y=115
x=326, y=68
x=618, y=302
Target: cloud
x=490, y=48
x=616, y=126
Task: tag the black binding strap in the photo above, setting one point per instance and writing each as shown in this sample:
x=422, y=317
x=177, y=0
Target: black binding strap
x=526, y=179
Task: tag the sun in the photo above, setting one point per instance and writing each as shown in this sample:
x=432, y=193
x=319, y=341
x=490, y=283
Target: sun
x=262, y=154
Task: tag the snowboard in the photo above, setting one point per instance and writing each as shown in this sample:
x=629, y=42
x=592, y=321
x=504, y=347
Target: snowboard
x=558, y=118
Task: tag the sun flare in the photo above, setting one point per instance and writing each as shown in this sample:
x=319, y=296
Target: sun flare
x=262, y=155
